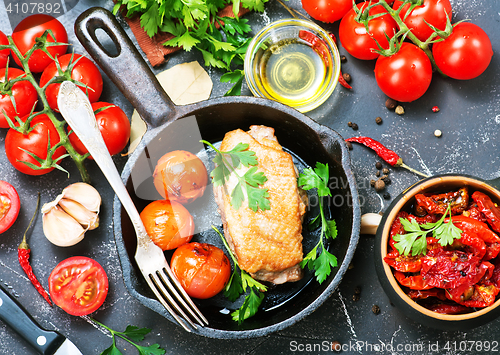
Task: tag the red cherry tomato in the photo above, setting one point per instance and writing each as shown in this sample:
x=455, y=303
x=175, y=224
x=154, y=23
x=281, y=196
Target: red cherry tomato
x=327, y=10
x=84, y=71
x=36, y=141
x=4, y=53
x=359, y=42
x=168, y=223
x=34, y=26
x=465, y=54
x=9, y=205
x=202, y=269
x=79, y=285
x=24, y=95
x=406, y=75
x=433, y=12
x=114, y=126
x=180, y=176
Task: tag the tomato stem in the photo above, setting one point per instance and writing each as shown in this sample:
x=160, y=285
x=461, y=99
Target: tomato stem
x=58, y=123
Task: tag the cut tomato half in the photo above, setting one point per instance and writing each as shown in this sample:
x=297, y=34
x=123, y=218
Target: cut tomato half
x=9, y=205
x=79, y=285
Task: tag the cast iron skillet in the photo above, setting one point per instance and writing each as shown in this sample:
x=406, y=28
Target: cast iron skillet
x=306, y=140
x=435, y=184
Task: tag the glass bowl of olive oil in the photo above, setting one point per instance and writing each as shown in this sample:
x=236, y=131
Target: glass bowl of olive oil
x=293, y=61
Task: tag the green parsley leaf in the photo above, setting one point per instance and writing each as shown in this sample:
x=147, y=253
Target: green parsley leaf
x=238, y=284
x=323, y=262
x=192, y=24
x=249, y=185
x=132, y=334
x=415, y=241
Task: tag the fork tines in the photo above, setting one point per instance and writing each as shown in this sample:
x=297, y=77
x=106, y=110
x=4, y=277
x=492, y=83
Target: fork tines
x=165, y=285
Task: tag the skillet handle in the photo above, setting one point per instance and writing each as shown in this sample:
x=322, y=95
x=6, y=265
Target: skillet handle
x=126, y=68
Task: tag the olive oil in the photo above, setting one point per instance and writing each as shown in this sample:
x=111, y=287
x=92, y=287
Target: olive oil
x=292, y=72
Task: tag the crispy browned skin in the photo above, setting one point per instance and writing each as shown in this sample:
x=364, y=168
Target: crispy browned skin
x=267, y=244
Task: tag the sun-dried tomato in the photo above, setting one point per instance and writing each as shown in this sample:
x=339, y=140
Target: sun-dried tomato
x=403, y=263
x=488, y=208
x=414, y=282
x=437, y=204
x=445, y=308
x=424, y=294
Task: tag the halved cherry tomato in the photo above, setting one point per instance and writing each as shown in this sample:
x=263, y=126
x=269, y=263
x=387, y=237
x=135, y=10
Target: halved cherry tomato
x=84, y=71
x=22, y=92
x=9, y=205
x=180, y=176
x=32, y=27
x=79, y=285
x=202, y=269
x=168, y=223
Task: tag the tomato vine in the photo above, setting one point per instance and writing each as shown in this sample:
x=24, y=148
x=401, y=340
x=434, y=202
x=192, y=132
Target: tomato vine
x=52, y=160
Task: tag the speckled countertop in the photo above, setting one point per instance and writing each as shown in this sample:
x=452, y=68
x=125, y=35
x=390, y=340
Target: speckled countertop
x=469, y=118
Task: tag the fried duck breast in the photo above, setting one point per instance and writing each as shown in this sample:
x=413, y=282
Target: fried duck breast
x=267, y=244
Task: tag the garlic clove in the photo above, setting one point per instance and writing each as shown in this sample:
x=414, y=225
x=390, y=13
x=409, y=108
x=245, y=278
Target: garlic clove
x=85, y=194
x=61, y=229
x=370, y=223
x=79, y=212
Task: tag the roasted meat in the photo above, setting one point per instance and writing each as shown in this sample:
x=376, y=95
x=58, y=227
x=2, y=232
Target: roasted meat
x=267, y=244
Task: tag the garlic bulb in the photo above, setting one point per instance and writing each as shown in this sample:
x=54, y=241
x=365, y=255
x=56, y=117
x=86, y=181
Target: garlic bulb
x=71, y=214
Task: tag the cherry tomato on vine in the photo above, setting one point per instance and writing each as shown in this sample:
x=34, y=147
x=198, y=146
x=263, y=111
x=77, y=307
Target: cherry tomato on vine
x=465, y=53
x=168, y=223
x=433, y=12
x=180, y=176
x=114, y=126
x=406, y=75
x=24, y=94
x=202, y=269
x=359, y=42
x=17, y=145
x=9, y=205
x=34, y=26
x=84, y=71
x=79, y=285
x=4, y=53
x=327, y=10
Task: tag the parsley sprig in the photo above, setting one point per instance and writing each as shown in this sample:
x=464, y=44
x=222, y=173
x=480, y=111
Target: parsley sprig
x=415, y=240
x=193, y=25
x=132, y=334
x=319, y=258
x=238, y=284
x=249, y=184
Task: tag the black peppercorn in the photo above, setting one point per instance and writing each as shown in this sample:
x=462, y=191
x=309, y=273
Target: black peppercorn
x=355, y=126
x=343, y=59
x=349, y=124
x=378, y=120
x=387, y=196
x=375, y=309
x=385, y=171
x=391, y=104
x=378, y=165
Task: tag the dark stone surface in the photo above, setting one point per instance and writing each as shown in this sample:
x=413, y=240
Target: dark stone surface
x=469, y=118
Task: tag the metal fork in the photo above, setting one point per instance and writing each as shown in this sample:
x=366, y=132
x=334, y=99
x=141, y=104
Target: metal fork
x=77, y=111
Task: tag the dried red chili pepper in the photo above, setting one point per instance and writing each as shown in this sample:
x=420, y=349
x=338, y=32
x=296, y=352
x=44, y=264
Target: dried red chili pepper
x=383, y=152
x=23, y=255
x=342, y=80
